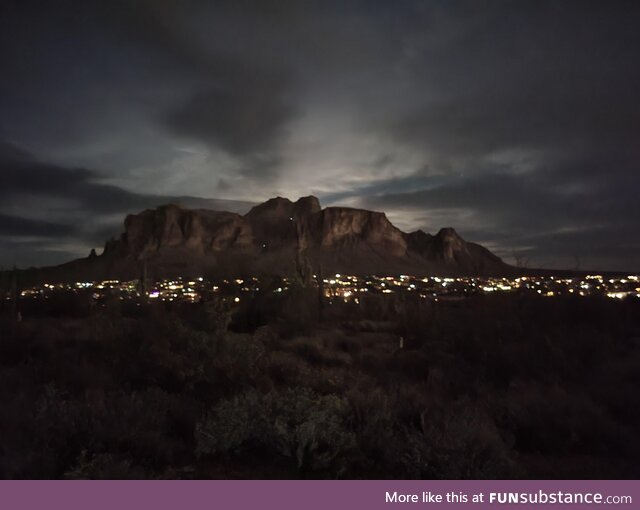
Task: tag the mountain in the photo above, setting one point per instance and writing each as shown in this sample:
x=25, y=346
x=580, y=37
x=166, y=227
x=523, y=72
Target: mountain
x=172, y=240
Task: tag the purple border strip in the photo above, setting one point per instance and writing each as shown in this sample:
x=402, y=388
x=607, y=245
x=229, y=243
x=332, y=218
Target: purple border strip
x=284, y=495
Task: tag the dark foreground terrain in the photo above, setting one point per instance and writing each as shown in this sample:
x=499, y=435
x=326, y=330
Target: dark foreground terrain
x=501, y=386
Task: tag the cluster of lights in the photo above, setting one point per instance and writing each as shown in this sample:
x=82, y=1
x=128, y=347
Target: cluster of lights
x=350, y=287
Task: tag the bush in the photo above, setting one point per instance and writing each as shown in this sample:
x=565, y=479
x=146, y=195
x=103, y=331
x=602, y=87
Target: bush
x=297, y=424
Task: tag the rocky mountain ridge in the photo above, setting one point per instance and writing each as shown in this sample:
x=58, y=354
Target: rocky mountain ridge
x=171, y=240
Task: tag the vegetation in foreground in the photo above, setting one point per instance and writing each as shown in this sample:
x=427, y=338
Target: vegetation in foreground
x=495, y=387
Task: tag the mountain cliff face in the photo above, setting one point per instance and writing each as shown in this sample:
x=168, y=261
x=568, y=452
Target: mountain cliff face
x=199, y=231
x=172, y=240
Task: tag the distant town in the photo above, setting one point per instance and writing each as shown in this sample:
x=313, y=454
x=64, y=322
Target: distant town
x=343, y=287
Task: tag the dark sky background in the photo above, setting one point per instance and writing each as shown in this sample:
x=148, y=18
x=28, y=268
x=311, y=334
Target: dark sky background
x=516, y=122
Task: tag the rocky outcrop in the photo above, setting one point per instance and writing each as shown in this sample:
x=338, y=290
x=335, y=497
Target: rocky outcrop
x=172, y=240
x=199, y=231
x=340, y=226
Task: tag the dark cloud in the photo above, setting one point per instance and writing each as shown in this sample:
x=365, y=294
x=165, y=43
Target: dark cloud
x=146, y=54
x=68, y=211
x=552, y=223
x=549, y=76
x=17, y=227
x=237, y=103
x=242, y=117
x=21, y=173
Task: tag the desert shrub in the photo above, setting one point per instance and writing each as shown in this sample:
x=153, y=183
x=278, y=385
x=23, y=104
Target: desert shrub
x=555, y=420
x=312, y=429
x=285, y=368
x=308, y=349
x=297, y=424
x=239, y=354
x=233, y=423
x=315, y=351
x=377, y=429
x=178, y=358
x=459, y=441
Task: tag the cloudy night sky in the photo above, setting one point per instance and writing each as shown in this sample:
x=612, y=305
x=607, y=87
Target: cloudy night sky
x=515, y=122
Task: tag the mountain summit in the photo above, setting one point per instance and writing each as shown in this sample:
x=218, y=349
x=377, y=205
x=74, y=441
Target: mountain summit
x=271, y=237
